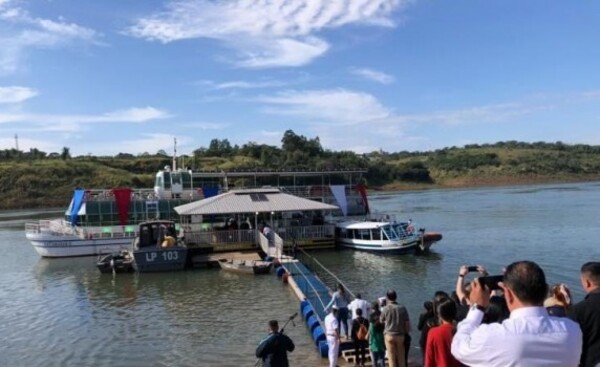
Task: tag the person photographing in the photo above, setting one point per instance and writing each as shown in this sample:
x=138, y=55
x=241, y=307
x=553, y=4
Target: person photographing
x=528, y=338
x=273, y=349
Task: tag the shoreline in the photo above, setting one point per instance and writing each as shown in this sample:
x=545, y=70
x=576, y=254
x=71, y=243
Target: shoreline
x=398, y=186
x=475, y=183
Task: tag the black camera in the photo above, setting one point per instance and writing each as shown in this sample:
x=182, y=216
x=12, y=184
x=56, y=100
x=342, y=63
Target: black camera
x=473, y=268
x=491, y=282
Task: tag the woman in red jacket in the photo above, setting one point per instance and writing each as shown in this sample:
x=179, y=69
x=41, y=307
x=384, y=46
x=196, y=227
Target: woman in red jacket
x=439, y=338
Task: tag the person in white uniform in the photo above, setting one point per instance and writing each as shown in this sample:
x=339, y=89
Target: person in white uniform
x=529, y=338
x=333, y=336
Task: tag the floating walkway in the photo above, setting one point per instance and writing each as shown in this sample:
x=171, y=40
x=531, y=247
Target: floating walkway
x=309, y=281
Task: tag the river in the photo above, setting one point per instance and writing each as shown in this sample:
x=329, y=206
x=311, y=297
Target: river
x=63, y=312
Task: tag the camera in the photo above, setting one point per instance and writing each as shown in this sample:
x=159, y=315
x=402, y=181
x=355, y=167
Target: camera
x=473, y=268
x=491, y=281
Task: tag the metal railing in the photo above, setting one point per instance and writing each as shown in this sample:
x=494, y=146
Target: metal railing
x=307, y=232
x=327, y=277
x=308, y=284
x=214, y=237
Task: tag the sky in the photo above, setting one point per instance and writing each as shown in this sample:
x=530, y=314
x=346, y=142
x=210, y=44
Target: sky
x=116, y=76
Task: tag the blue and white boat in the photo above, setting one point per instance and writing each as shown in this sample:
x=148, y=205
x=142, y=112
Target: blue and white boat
x=379, y=236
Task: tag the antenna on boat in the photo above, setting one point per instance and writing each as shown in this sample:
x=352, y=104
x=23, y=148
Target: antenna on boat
x=174, y=154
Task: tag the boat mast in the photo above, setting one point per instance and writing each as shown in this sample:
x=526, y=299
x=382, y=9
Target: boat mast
x=174, y=154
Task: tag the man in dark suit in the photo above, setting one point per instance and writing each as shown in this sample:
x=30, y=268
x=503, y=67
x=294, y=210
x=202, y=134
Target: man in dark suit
x=273, y=349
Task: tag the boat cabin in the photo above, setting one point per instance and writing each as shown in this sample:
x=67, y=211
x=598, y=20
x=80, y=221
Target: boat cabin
x=160, y=233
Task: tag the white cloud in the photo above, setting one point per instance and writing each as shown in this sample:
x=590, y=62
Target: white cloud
x=15, y=94
x=51, y=122
x=242, y=84
x=21, y=31
x=205, y=125
x=339, y=106
x=373, y=75
x=264, y=33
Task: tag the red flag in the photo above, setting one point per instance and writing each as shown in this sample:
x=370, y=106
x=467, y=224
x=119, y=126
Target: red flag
x=362, y=190
x=123, y=199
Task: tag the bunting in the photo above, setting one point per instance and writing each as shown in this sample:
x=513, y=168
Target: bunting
x=123, y=199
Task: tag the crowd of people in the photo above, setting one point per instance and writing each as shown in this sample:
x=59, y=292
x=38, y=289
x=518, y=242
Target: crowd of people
x=514, y=319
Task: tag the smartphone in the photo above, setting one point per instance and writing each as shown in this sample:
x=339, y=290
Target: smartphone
x=491, y=281
x=473, y=268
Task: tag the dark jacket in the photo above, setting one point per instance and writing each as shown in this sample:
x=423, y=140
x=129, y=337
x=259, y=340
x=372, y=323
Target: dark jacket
x=273, y=350
x=586, y=313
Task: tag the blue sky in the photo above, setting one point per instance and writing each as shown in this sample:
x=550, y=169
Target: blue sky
x=104, y=77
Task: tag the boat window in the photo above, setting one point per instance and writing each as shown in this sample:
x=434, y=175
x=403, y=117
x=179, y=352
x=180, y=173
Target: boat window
x=167, y=180
x=365, y=234
x=376, y=234
x=176, y=178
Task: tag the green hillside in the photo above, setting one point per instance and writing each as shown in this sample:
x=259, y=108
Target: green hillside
x=35, y=179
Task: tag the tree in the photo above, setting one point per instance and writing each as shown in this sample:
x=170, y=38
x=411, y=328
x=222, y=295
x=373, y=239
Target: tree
x=66, y=154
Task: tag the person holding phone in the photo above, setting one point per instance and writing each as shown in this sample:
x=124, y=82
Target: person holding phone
x=529, y=338
x=462, y=291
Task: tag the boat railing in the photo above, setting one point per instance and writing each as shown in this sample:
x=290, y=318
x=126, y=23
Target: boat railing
x=326, y=276
x=224, y=236
x=306, y=232
x=307, y=287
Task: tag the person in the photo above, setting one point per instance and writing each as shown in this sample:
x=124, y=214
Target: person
x=497, y=310
x=360, y=334
x=422, y=326
x=587, y=314
x=439, y=338
x=530, y=337
x=396, y=325
x=340, y=300
x=273, y=349
x=438, y=297
x=462, y=290
x=376, y=340
x=558, y=302
x=332, y=335
x=358, y=303
x=374, y=319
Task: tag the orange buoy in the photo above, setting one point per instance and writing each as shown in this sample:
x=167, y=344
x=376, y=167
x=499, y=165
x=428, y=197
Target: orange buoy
x=284, y=277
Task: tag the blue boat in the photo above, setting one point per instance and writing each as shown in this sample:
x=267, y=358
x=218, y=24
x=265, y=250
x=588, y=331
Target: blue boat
x=158, y=248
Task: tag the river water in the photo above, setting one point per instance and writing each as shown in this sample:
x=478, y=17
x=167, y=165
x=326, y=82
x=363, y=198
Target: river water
x=63, y=312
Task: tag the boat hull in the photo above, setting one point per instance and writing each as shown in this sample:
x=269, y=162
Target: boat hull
x=121, y=262
x=156, y=260
x=243, y=268
x=71, y=246
x=407, y=248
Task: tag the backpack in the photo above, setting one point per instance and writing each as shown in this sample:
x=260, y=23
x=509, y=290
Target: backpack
x=362, y=332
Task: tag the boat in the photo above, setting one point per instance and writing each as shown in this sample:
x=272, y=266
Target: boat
x=246, y=266
x=377, y=236
x=104, y=221
x=118, y=262
x=157, y=247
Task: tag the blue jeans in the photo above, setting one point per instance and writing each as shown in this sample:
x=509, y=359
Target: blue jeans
x=378, y=359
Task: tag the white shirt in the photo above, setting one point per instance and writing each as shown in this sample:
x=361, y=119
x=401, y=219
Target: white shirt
x=331, y=324
x=529, y=338
x=359, y=303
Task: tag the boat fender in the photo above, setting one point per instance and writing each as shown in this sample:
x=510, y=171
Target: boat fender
x=284, y=277
x=318, y=335
x=280, y=271
x=323, y=348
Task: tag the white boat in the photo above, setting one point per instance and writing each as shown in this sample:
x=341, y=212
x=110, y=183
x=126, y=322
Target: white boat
x=377, y=236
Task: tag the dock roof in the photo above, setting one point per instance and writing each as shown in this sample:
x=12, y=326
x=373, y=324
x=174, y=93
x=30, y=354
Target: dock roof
x=251, y=201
